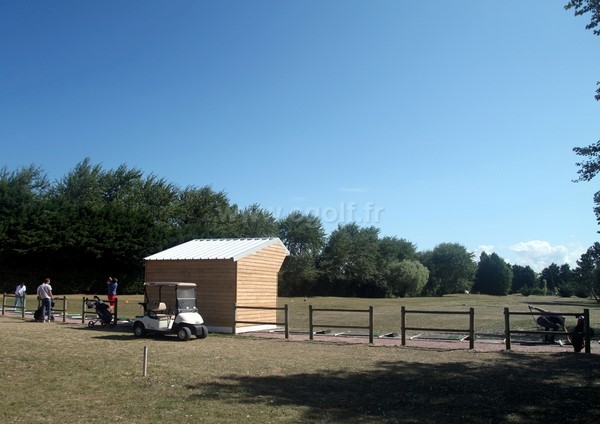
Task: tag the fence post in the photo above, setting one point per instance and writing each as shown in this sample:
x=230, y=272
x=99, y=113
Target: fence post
x=3, y=301
x=471, y=328
x=507, y=327
x=64, y=308
x=286, y=318
x=310, y=322
x=83, y=309
x=233, y=329
x=371, y=324
x=586, y=329
x=116, y=310
x=24, y=305
x=403, y=325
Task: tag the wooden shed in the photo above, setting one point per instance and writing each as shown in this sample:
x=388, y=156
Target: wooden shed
x=226, y=272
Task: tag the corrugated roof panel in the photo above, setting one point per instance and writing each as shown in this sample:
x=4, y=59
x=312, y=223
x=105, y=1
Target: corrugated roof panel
x=234, y=249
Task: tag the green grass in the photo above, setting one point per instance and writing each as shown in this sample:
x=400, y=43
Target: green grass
x=489, y=311
x=53, y=373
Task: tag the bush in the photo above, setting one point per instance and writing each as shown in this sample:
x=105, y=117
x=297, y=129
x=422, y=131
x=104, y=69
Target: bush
x=532, y=291
x=566, y=290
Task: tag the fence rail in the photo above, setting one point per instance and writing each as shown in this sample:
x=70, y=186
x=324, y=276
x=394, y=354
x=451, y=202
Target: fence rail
x=470, y=330
x=63, y=299
x=285, y=323
x=312, y=325
x=14, y=296
x=508, y=331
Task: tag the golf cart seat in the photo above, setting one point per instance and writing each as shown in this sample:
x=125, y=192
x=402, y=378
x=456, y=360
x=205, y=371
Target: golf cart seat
x=158, y=310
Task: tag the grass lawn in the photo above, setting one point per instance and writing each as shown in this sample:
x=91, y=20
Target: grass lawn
x=489, y=310
x=55, y=373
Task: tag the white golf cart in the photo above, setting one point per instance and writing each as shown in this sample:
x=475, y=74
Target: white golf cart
x=170, y=307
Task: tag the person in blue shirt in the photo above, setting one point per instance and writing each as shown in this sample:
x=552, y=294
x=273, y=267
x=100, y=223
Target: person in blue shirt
x=112, y=284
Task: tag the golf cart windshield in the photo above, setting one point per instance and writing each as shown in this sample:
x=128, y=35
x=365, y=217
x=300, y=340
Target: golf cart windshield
x=186, y=299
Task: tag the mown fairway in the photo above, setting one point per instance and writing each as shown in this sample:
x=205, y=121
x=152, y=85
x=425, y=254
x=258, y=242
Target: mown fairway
x=54, y=373
x=489, y=310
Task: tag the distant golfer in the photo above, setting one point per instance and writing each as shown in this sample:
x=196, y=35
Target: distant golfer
x=112, y=284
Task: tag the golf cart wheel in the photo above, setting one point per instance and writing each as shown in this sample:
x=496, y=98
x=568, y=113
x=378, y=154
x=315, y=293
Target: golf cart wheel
x=203, y=332
x=91, y=324
x=139, y=330
x=184, y=334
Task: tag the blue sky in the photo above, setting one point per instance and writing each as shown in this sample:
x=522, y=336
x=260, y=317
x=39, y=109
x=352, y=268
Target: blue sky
x=434, y=121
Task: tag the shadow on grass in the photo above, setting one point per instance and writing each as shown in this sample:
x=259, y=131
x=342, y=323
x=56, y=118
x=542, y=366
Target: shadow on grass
x=125, y=334
x=518, y=388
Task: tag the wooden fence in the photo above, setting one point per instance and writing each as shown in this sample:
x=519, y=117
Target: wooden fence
x=470, y=330
x=508, y=331
x=55, y=299
x=312, y=325
x=14, y=296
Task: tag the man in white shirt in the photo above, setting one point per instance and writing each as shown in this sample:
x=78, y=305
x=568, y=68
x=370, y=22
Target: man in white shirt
x=44, y=293
x=20, y=296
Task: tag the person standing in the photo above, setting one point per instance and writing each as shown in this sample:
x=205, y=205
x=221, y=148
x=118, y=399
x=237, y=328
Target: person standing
x=111, y=285
x=20, y=296
x=44, y=294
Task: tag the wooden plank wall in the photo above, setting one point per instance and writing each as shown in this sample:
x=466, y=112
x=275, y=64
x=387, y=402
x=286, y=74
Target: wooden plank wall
x=257, y=283
x=215, y=281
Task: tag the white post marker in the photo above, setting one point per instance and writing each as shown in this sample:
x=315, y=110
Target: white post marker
x=145, y=370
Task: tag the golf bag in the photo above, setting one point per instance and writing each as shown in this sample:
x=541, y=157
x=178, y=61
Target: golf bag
x=38, y=315
x=577, y=336
x=103, y=313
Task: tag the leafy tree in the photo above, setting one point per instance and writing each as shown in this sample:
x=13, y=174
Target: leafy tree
x=204, y=213
x=349, y=263
x=254, y=221
x=298, y=275
x=22, y=197
x=493, y=275
x=304, y=237
x=590, y=167
x=393, y=249
x=586, y=275
x=550, y=278
x=407, y=277
x=523, y=276
x=451, y=269
x=302, y=234
x=105, y=222
x=23, y=233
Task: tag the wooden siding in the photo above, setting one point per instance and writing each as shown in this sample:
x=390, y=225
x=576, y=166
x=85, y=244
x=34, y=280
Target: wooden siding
x=252, y=281
x=257, y=284
x=215, y=285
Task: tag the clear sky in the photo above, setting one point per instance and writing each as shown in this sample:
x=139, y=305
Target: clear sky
x=435, y=121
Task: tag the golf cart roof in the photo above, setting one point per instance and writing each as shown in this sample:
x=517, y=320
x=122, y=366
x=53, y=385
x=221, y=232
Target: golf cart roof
x=168, y=283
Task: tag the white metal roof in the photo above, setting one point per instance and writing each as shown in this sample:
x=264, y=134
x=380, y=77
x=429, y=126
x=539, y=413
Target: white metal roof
x=168, y=283
x=234, y=249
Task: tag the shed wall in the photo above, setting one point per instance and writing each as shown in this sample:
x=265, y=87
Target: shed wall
x=215, y=281
x=257, y=284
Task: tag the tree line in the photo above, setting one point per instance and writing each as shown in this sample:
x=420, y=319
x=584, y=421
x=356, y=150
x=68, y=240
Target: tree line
x=95, y=222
